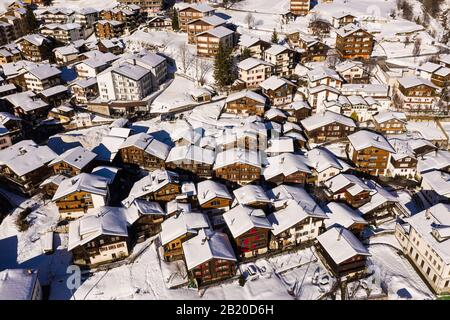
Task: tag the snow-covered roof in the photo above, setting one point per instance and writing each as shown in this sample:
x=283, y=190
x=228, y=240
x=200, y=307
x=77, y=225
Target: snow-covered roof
x=276, y=49
x=237, y=156
x=349, y=182
x=438, y=181
x=85, y=83
x=384, y=116
x=321, y=159
x=246, y=94
x=17, y=284
x=207, y=245
x=319, y=120
x=410, y=82
x=251, y=63
x=342, y=215
x=429, y=67
x=249, y=194
x=436, y=160
x=208, y=190
x=110, y=221
x=292, y=213
x=285, y=164
x=212, y=20
x=380, y=197
x=218, y=32
x=348, y=64
x=130, y=71
x=241, y=219
x=247, y=41
x=191, y=153
x=84, y=182
x=106, y=172
x=365, y=139
x=26, y=100
x=26, y=156
x=34, y=39
x=348, y=30
x=45, y=71
x=77, y=157
x=56, y=180
x=341, y=244
x=434, y=220
x=322, y=72
x=152, y=182
x=182, y=224
x=274, y=83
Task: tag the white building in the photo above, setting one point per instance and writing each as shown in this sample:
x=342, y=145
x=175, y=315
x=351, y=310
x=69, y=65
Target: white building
x=253, y=71
x=436, y=187
x=20, y=284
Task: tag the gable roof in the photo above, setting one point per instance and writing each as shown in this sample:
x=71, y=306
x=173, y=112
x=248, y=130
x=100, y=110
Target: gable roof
x=85, y=182
x=365, y=139
x=241, y=219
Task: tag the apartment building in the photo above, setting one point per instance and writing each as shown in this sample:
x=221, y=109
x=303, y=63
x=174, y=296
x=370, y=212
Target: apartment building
x=193, y=12
x=353, y=42
x=208, y=42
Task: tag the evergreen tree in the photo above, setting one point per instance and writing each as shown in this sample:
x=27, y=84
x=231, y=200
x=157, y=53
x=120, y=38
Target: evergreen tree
x=246, y=53
x=274, y=36
x=175, y=21
x=31, y=20
x=223, y=67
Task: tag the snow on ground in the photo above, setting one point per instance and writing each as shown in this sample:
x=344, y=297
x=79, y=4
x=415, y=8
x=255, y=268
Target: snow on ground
x=263, y=6
x=74, y=4
x=176, y=96
x=398, y=274
x=377, y=8
x=23, y=249
x=428, y=129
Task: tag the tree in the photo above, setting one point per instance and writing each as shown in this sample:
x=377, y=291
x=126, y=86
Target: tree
x=202, y=67
x=249, y=20
x=223, y=67
x=175, y=21
x=186, y=57
x=31, y=20
x=274, y=36
x=354, y=116
x=417, y=46
x=246, y=53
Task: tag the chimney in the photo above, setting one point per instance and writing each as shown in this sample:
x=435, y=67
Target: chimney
x=428, y=214
x=340, y=234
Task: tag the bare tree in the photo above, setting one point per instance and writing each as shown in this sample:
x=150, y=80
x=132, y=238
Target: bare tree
x=202, y=67
x=417, y=46
x=186, y=57
x=249, y=20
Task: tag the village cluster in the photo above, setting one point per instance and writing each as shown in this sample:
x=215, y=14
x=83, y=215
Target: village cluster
x=309, y=145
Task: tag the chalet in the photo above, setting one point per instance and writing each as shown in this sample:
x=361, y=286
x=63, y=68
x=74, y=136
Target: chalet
x=192, y=159
x=383, y=206
x=343, y=19
x=160, y=23
x=319, y=95
x=282, y=58
x=390, y=122
x=63, y=33
x=279, y=91
x=10, y=53
x=287, y=168
x=417, y=94
x=186, y=136
x=319, y=27
x=245, y=102
x=436, y=187
x=28, y=106
x=324, y=76
x=144, y=151
x=300, y=7
x=297, y=111
x=348, y=188
x=208, y=42
x=66, y=55
x=341, y=215
x=193, y=12
x=24, y=165
x=253, y=71
x=20, y=284
x=62, y=114
x=128, y=14
x=255, y=46
x=424, y=239
x=73, y=162
x=370, y=152
x=95, y=63
x=311, y=49
x=195, y=27
x=296, y=223
x=107, y=29
x=35, y=48
x=42, y=78
x=353, y=71
x=84, y=90
x=404, y=161
x=55, y=96
x=252, y=196
x=276, y=115
x=179, y=228
x=342, y=252
x=213, y=196
x=145, y=6
x=249, y=229
x=328, y=126
x=238, y=165
x=158, y=185
x=12, y=125
x=209, y=257
x=51, y=184
x=76, y=195
x=353, y=42
x=99, y=237
x=113, y=45
x=145, y=218
x=357, y=107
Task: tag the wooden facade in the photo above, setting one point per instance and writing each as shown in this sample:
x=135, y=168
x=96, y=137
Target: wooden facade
x=139, y=157
x=28, y=183
x=76, y=202
x=189, y=14
x=93, y=253
x=35, y=53
x=371, y=160
x=253, y=242
x=329, y=132
x=146, y=226
x=196, y=27
x=212, y=271
x=245, y=106
x=109, y=29
x=353, y=265
x=300, y=7
x=355, y=45
x=239, y=173
x=68, y=170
